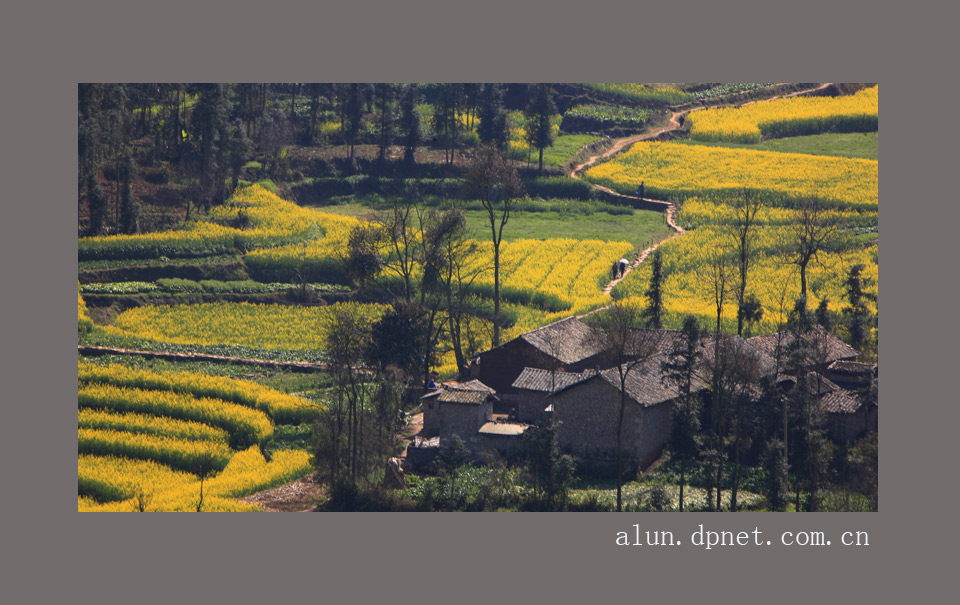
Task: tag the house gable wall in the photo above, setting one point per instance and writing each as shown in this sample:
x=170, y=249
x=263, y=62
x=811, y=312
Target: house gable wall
x=587, y=416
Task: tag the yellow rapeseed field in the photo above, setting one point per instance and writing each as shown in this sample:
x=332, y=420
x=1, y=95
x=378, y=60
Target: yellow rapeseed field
x=131, y=438
x=84, y=323
x=281, y=407
x=793, y=116
x=673, y=171
x=775, y=282
x=274, y=222
x=116, y=481
x=281, y=327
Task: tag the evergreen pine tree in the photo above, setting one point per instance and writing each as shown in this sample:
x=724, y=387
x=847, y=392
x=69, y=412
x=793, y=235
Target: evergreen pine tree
x=539, y=113
x=653, y=313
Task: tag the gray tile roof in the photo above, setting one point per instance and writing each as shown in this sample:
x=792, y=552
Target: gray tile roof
x=470, y=385
x=569, y=340
x=472, y=392
x=840, y=401
x=834, y=348
x=545, y=381
x=852, y=367
x=644, y=382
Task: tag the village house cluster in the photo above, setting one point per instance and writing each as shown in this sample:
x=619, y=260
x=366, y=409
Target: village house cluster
x=562, y=373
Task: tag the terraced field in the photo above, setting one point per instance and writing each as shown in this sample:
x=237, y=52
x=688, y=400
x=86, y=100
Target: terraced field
x=147, y=440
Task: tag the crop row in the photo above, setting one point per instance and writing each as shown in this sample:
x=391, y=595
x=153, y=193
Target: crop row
x=555, y=274
x=641, y=93
x=728, y=88
x=174, y=285
x=84, y=323
x=315, y=261
x=150, y=424
x=110, y=483
x=696, y=212
x=609, y=115
x=246, y=426
x=674, y=171
x=107, y=478
x=793, y=116
x=273, y=222
x=269, y=326
x=184, y=454
x=282, y=408
x=687, y=285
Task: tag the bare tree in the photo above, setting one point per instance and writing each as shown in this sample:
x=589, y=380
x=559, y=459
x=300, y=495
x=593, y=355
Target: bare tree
x=714, y=272
x=496, y=184
x=736, y=375
x=344, y=350
x=746, y=206
x=816, y=229
x=680, y=369
x=627, y=347
x=452, y=263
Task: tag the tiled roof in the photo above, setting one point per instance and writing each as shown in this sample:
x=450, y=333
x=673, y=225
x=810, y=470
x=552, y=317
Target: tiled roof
x=840, y=401
x=470, y=385
x=852, y=367
x=545, y=381
x=472, y=392
x=765, y=365
x=852, y=374
x=833, y=347
x=645, y=385
x=568, y=340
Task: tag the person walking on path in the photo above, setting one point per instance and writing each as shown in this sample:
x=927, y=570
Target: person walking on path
x=623, y=265
x=640, y=190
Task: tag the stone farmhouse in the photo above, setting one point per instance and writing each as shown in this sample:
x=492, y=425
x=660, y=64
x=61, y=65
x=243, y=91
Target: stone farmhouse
x=464, y=409
x=568, y=345
x=560, y=372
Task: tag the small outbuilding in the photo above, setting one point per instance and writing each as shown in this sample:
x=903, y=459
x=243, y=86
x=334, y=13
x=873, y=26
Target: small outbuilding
x=458, y=408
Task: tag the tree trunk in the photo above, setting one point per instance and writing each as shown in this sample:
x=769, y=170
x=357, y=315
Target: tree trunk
x=736, y=470
x=313, y=118
x=683, y=469
x=803, y=278
x=719, y=473
x=541, y=161
x=623, y=404
x=496, y=295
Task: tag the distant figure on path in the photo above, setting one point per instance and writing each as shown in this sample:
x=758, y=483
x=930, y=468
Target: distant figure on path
x=616, y=269
x=640, y=190
x=623, y=265
x=681, y=121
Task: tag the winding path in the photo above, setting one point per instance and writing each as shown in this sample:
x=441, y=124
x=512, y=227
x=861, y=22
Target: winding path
x=620, y=145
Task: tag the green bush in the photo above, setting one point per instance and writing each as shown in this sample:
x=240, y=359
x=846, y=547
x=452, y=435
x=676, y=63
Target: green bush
x=560, y=187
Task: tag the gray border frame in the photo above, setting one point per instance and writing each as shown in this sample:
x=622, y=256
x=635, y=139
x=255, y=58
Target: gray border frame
x=60, y=554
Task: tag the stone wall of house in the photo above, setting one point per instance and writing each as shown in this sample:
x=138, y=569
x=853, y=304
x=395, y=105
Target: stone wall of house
x=464, y=420
x=530, y=406
x=431, y=416
x=508, y=447
x=846, y=427
x=586, y=421
x=655, y=422
x=420, y=458
x=498, y=368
